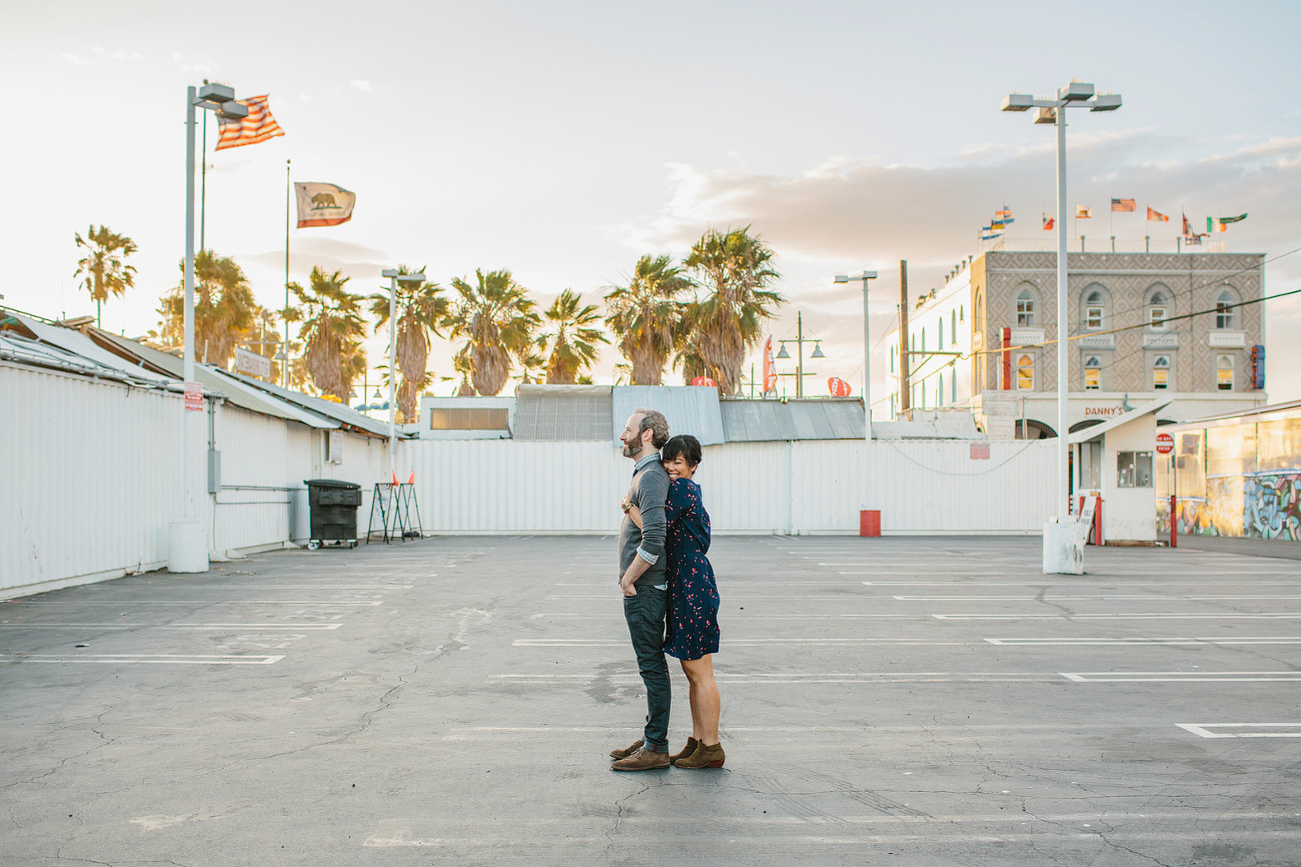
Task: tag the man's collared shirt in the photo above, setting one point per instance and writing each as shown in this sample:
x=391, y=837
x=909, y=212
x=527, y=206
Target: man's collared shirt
x=652, y=559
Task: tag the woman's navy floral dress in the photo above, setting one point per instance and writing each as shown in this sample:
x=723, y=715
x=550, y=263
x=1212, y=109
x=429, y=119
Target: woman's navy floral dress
x=693, y=596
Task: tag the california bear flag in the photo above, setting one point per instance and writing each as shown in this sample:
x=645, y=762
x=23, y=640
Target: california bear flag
x=323, y=204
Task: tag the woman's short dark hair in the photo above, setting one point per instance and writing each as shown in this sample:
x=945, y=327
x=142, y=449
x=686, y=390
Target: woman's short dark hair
x=685, y=445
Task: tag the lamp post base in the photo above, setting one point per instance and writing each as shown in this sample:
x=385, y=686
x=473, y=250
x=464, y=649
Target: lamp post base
x=187, y=547
x=1064, y=547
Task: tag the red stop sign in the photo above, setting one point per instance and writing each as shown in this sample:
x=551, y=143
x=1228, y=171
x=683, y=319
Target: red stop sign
x=1165, y=443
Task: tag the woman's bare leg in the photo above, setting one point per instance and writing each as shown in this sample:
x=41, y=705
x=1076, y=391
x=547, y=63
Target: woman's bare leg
x=704, y=698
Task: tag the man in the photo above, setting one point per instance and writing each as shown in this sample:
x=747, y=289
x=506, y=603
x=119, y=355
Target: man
x=644, y=585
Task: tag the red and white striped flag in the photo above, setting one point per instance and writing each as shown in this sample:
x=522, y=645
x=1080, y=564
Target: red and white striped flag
x=1124, y=205
x=254, y=129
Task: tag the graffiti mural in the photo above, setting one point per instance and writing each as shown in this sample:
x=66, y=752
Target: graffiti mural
x=1272, y=506
x=1259, y=506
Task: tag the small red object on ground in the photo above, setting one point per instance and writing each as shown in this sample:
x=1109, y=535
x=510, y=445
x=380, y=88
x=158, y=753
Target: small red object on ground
x=869, y=523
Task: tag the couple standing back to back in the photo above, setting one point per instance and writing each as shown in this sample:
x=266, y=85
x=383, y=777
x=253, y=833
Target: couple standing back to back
x=670, y=598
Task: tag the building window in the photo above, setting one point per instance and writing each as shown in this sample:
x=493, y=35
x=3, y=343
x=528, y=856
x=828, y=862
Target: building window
x=1133, y=469
x=1224, y=372
x=1025, y=310
x=980, y=309
x=941, y=339
x=1156, y=310
x=962, y=313
x=953, y=328
x=1093, y=312
x=939, y=392
x=1024, y=373
x=953, y=386
x=893, y=350
x=1224, y=311
x=1161, y=372
x=1092, y=373
x=923, y=340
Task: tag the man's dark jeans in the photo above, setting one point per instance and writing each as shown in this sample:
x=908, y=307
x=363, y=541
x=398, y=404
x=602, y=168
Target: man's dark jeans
x=645, y=615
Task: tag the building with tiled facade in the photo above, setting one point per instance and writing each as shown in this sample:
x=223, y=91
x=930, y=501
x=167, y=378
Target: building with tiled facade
x=1131, y=337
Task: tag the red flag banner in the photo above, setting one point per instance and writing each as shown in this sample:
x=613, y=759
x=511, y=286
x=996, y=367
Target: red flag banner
x=1049, y=222
x=254, y=129
x=838, y=387
x=702, y=380
x=323, y=204
x=1157, y=216
x=1125, y=205
x=769, y=368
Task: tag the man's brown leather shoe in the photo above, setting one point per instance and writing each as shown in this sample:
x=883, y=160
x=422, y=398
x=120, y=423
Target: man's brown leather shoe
x=642, y=760
x=623, y=754
x=690, y=748
x=704, y=757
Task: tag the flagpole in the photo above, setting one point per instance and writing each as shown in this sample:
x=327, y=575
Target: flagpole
x=203, y=187
x=284, y=372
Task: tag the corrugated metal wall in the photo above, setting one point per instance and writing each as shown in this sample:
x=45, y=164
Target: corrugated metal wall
x=776, y=487
x=90, y=476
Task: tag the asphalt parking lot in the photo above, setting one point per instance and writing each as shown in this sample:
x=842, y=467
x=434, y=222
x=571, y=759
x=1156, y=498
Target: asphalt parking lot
x=452, y=701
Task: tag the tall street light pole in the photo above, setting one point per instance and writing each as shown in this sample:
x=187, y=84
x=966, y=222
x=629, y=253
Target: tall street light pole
x=867, y=352
x=1052, y=110
x=187, y=543
x=394, y=275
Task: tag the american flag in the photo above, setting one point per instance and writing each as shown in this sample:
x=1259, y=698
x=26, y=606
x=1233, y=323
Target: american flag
x=1123, y=205
x=254, y=129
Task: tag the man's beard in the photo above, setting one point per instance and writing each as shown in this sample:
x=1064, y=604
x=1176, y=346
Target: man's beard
x=628, y=451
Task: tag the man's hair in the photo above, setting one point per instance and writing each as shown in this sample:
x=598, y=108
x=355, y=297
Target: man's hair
x=684, y=445
x=656, y=423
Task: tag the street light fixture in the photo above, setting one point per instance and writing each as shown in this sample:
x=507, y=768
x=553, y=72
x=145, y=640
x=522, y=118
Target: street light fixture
x=867, y=351
x=1052, y=110
x=799, y=341
x=394, y=276
x=187, y=542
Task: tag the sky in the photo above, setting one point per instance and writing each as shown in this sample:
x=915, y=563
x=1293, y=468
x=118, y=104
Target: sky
x=563, y=140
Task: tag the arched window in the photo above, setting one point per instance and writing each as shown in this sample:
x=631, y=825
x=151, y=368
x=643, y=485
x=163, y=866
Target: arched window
x=1224, y=309
x=1158, y=301
x=1096, y=307
x=953, y=328
x=1024, y=373
x=939, y=392
x=980, y=309
x=941, y=337
x=893, y=351
x=923, y=340
x=1092, y=373
x=1161, y=372
x=1224, y=372
x=1025, y=309
x=962, y=313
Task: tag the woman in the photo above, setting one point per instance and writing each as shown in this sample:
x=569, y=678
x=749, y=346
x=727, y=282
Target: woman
x=693, y=600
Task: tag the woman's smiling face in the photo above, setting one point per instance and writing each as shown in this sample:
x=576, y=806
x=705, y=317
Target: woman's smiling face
x=678, y=468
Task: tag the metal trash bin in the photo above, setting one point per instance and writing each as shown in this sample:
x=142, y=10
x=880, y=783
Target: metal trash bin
x=333, y=506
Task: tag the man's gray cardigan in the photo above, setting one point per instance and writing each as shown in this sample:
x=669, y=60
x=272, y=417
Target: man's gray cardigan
x=649, y=490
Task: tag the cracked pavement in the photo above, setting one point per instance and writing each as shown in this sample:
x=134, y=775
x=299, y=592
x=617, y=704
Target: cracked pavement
x=452, y=700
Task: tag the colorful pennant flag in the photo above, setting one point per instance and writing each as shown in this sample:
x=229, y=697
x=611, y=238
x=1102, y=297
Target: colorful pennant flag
x=1049, y=222
x=989, y=233
x=323, y=204
x=1237, y=219
x=1190, y=237
x=1083, y=212
x=769, y=368
x=254, y=129
x=1004, y=216
x=1157, y=216
x=1125, y=205
x=1213, y=225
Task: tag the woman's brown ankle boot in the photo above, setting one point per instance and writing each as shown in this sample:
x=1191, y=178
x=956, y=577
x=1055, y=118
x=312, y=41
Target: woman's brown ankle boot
x=704, y=757
x=690, y=748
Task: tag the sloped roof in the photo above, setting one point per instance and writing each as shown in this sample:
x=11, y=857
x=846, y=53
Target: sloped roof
x=552, y=413
x=690, y=409
x=746, y=420
x=1091, y=433
x=326, y=408
x=74, y=343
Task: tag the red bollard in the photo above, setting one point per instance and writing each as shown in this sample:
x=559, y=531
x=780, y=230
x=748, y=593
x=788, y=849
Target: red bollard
x=1174, y=522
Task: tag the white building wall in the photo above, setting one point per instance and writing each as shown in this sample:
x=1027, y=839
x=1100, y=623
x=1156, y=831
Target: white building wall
x=91, y=477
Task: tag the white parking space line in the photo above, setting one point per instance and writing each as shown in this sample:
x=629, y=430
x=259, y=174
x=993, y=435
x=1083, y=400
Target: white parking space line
x=1243, y=730
x=296, y=627
x=1181, y=676
x=333, y=602
x=1147, y=596
x=959, y=584
x=180, y=586
x=795, y=679
x=745, y=642
x=154, y=659
x=1162, y=615
x=1122, y=642
x=762, y=616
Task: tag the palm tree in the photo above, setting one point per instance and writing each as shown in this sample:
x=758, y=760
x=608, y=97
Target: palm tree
x=332, y=332
x=225, y=313
x=497, y=320
x=734, y=267
x=104, y=267
x=573, y=340
x=645, y=315
x=421, y=306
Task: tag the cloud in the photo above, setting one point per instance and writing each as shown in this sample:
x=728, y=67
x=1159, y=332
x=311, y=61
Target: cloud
x=355, y=260
x=362, y=85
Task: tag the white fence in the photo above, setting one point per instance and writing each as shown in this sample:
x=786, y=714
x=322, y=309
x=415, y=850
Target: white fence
x=91, y=480
x=810, y=487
